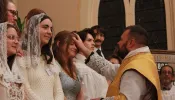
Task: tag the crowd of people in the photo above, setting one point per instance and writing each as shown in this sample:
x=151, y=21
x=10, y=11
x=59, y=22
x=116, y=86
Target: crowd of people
x=36, y=65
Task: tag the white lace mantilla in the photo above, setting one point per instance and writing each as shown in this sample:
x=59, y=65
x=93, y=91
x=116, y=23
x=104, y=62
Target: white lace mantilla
x=10, y=81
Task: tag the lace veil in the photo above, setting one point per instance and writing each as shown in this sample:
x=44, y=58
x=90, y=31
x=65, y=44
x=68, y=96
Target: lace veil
x=3, y=49
x=5, y=72
x=31, y=41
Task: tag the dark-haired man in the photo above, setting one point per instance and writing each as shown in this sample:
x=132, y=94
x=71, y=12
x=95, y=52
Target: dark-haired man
x=137, y=77
x=99, y=39
x=166, y=80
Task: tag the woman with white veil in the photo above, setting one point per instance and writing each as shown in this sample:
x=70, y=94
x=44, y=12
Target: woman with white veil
x=40, y=72
x=11, y=83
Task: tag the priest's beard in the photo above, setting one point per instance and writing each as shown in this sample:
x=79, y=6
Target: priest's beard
x=121, y=52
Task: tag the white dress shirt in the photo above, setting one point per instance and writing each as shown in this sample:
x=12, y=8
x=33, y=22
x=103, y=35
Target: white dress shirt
x=95, y=50
x=132, y=84
x=95, y=85
x=169, y=94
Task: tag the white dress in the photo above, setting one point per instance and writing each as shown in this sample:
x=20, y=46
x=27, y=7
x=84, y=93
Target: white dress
x=42, y=82
x=94, y=84
x=169, y=94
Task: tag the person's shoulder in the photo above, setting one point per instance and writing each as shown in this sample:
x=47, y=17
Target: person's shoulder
x=133, y=74
x=56, y=66
x=83, y=69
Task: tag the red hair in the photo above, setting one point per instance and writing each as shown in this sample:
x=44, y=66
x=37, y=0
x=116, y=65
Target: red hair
x=33, y=12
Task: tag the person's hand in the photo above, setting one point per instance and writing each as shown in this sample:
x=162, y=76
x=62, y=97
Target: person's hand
x=81, y=45
x=78, y=41
x=19, y=52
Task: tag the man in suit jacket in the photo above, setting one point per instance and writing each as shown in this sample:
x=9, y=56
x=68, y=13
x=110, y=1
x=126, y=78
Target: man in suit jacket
x=99, y=39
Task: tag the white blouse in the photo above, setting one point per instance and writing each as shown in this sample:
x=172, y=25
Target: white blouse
x=94, y=84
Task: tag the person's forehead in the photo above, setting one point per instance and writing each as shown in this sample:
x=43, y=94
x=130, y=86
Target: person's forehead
x=125, y=34
x=11, y=31
x=166, y=68
x=11, y=6
x=89, y=36
x=47, y=22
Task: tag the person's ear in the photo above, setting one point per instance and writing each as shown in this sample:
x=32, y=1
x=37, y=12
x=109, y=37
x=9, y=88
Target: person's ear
x=58, y=43
x=131, y=43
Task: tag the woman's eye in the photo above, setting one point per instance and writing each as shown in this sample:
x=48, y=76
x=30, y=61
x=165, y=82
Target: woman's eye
x=45, y=27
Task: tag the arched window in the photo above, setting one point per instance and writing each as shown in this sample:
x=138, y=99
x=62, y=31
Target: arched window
x=150, y=14
x=112, y=18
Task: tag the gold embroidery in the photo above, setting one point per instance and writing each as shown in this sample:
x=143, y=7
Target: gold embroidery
x=120, y=97
x=148, y=69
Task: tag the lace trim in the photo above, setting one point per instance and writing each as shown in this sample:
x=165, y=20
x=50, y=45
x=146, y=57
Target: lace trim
x=15, y=91
x=31, y=41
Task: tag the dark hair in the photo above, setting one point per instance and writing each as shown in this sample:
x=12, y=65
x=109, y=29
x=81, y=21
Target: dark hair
x=74, y=31
x=10, y=61
x=83, y=33
x=116, y=57
x=139, y=33
x=45, y=50
x=166, y=66
x=33, y=12
x=64, y=37
x=151, y=93
x=3, y=11
x=98, y=30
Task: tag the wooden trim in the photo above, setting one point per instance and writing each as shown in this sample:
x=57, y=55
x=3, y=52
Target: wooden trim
x=170, y=26
x=154, y=51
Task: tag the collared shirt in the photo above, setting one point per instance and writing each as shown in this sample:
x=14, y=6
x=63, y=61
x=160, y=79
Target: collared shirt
x=95, y=50
x=94, y=84
x=136, y=51
x=166, y=87
x=169, y=94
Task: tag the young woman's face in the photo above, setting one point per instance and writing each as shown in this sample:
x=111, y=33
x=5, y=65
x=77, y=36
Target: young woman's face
x=45, y=31
x=71, y=50
x=12, y=41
